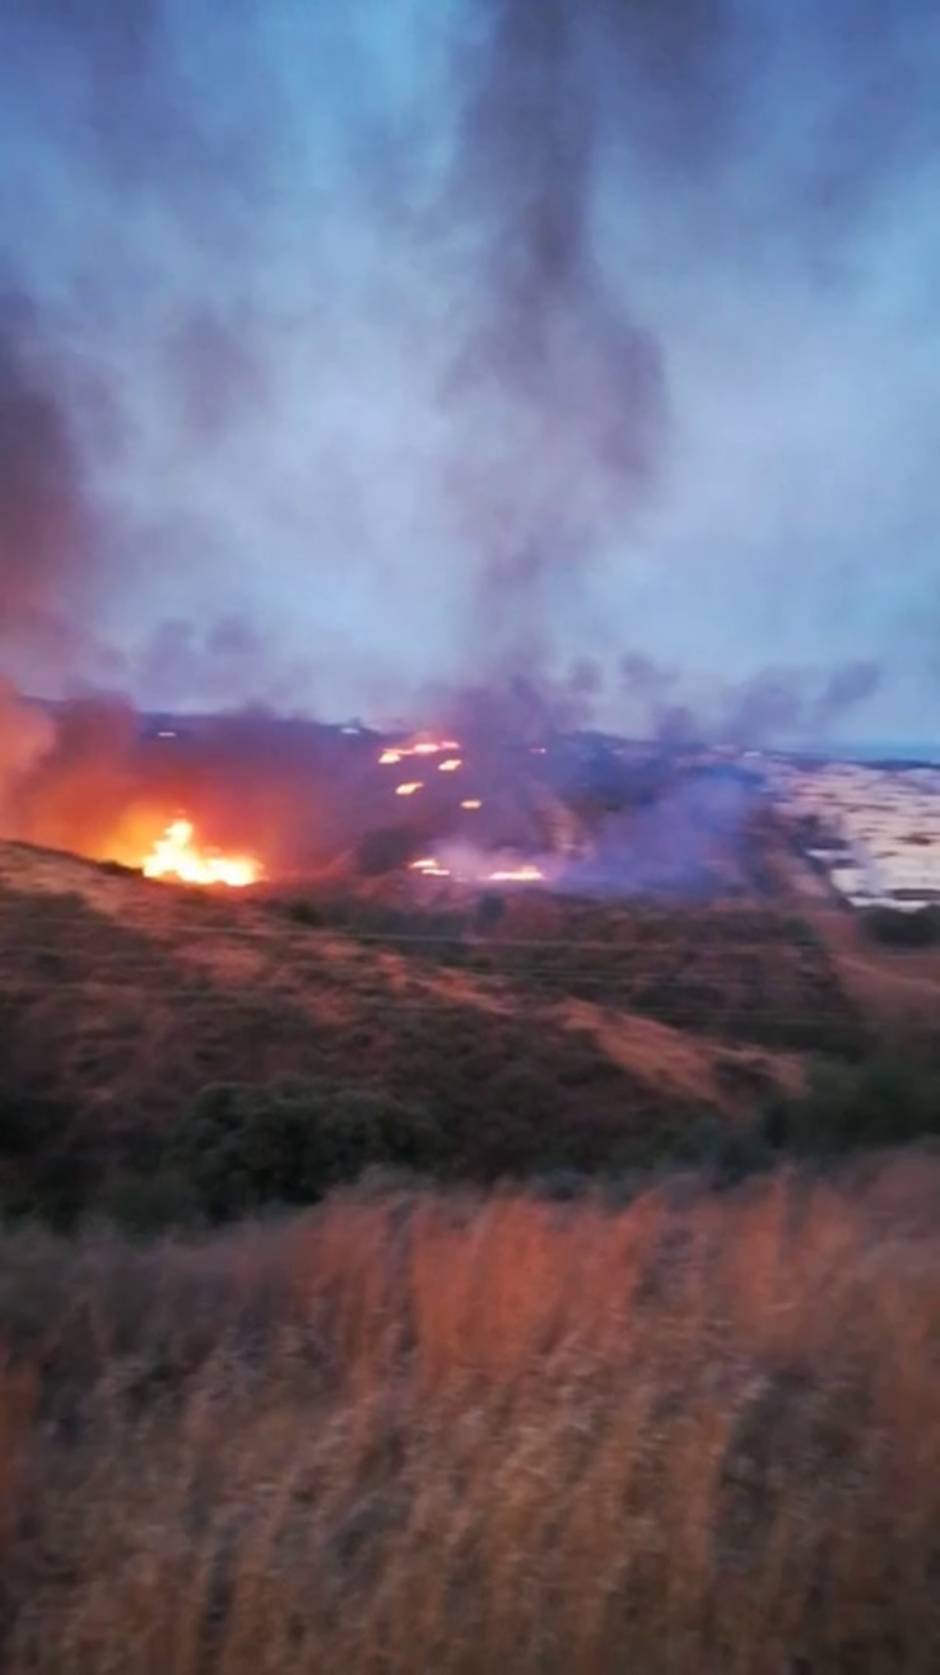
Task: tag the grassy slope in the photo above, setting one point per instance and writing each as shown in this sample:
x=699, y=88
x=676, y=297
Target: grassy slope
x=123, y=996
x=422, y=1435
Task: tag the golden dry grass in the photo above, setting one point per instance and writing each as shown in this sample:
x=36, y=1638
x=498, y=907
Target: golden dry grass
x=462, y=1436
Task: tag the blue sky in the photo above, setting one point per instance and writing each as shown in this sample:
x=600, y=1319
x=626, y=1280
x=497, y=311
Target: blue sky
x=400, y=341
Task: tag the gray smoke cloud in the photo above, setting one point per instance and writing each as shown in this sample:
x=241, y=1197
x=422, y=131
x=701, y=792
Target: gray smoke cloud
x=26, y=737
x=46, y=533
x=559, y=391
x=472, y=342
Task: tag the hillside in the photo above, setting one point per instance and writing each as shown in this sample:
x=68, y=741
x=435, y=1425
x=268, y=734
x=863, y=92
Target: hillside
x=125, y=977
x=522, y=1048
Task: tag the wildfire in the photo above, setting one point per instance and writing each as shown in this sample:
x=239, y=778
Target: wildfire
x=517, y=875
x=430, y=867
x=445, y=755
x=422, y=747
x=175, y=855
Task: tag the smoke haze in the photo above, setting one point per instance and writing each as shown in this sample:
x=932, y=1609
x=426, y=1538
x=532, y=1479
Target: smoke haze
x=352, y=350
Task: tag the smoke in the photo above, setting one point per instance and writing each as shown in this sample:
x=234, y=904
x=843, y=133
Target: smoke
x=46, y=531
x=93, y=777
x=25, y=737
x=463, y=344
x=853, y=684
x=181, y=663
x=78, y=790
x=775, y=705
x=558, y=392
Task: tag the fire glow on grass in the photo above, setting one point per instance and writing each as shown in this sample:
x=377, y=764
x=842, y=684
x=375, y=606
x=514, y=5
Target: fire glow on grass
x=429, y=866
x=175, y=855
x=464, y=868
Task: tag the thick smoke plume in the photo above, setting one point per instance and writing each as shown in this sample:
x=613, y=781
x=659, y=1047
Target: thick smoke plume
x=559, y=392
x=462, y=344
x=26, y=735
x=47, y=542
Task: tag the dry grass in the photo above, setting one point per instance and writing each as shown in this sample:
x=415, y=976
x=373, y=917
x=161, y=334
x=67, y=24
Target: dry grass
x=450, y=1435
x=119, y=993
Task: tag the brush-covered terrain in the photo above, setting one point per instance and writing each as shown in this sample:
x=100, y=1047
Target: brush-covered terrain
x=172, y=1055
x=545, y=1331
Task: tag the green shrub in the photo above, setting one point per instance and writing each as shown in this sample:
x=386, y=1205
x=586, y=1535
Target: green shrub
x=49, y=1167
x=896, y=929
x=305, y=913
x=144, y=1202
x=290, y=1142
x=882, y=1102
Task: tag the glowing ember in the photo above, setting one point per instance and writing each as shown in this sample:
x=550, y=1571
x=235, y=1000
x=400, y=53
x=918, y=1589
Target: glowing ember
x=423, y=747
x=471, y=802
x=450, y=766
x=409, y=788
x=174, y=855
x=517, y=875
x=430, y=868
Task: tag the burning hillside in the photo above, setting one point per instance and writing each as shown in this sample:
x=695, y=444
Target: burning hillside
x=178, y=855
x=237, y=800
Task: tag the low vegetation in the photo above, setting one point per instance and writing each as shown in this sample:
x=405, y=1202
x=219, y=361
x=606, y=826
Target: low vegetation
x=896, y=928
x=586, y=1354
x=174, y=1059
x=433, y=1433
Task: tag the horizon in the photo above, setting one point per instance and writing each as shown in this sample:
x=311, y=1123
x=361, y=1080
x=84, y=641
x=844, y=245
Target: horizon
x=858, y=749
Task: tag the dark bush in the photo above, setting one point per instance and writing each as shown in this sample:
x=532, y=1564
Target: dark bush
x=896, y=929
x=143, y=1201
x=881, y=1102
x=290, y=1142
x=48, y=1166
x=306, y=913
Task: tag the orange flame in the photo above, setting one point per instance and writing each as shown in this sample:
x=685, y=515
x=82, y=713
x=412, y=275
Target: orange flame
x=517, y=875
x=175, y=855
x=471, y=803
x=409, y=788
x=450, y=766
